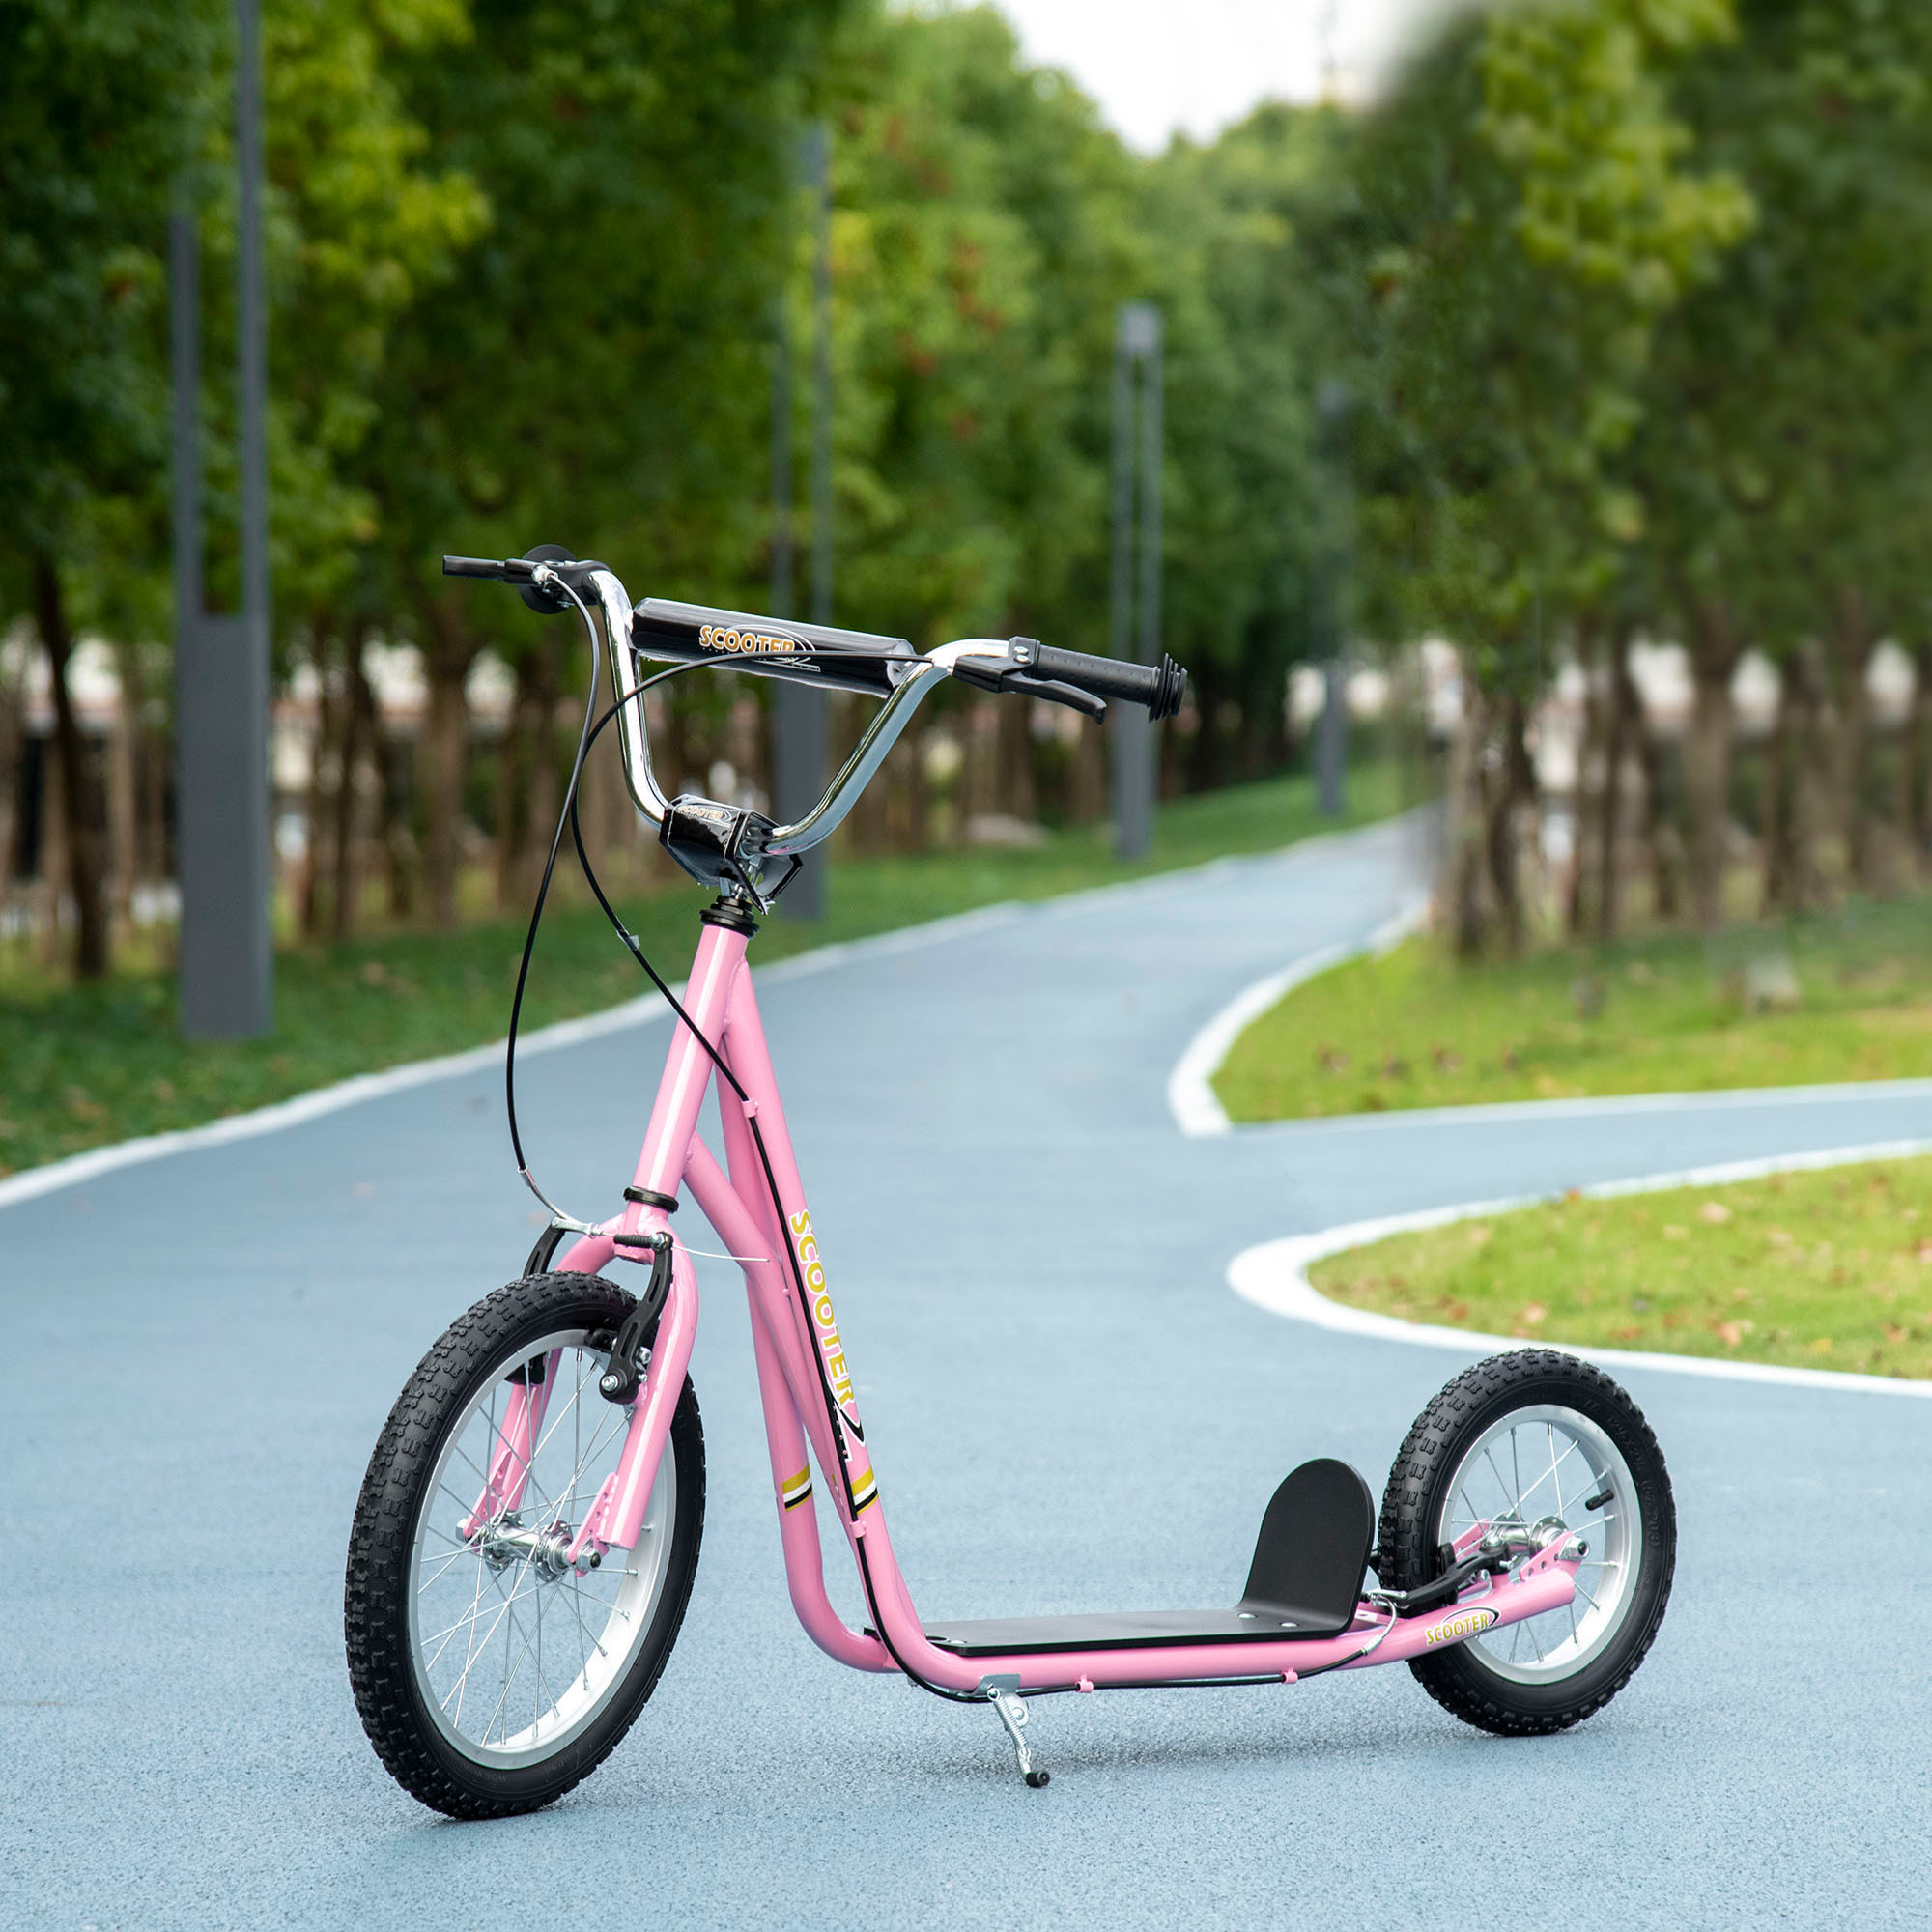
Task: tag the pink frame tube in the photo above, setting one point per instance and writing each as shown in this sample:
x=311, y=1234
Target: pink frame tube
x=798, y=1348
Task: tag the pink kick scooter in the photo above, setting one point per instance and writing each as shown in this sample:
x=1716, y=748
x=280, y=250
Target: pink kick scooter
x=528, y=1532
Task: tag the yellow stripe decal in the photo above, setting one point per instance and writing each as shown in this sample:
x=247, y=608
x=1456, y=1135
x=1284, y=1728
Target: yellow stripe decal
x=795, y=1489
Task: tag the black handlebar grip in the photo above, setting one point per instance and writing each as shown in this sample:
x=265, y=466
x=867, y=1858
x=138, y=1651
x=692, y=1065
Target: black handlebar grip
x=1159, y=687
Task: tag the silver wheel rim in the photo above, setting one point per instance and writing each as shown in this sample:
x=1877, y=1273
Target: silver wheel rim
x=511, y=1659
x=1538, y=1469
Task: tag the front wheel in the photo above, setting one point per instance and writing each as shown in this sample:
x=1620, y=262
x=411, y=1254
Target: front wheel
x=491, y=1670
x=1536, y=1441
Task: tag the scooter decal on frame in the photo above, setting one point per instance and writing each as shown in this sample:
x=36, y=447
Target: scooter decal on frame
x=825, y=1325
x=1468, y=1623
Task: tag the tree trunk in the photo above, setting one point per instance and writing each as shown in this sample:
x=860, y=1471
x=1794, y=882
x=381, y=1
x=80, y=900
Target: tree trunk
x=78, y=797
x=322, y=748
x=1610, y=831
x=531, y=775
x=154, y=859
x=1661, y=840
x=1915, y=758
x=1778, y=887
x=1795, y=810
x=1587, y=798
x=1015, y=760
x=442, y=758
x=358, y=734
x=1087, y=782
x=54, y=864
x=1510, y=786
x=1707, y=758
x=978, y=785
x=903, y=780
x=1464, y=868
x=1852, y=643
x=395, y=763
x=123, y=796
x=545, y=797
x=1206, y=763
x=12, y=741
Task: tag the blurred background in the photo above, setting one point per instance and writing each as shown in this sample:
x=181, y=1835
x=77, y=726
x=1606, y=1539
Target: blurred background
x=1544, y=404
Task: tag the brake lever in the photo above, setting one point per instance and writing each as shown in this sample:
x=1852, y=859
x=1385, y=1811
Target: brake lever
x=1002, y=675
x=1056, y=693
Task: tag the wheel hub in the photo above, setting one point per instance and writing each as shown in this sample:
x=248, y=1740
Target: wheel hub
x=547, y=1550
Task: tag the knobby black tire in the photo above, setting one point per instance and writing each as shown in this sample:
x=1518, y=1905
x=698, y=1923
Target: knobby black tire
x=483, y=1345
x=1407, y=1555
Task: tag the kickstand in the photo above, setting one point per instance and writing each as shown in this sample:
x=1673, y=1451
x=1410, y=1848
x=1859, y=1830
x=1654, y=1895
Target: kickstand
x=1004, y=1695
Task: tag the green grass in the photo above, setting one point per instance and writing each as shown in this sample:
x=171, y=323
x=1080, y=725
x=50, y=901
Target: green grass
x=1829, y=1269
x=83, y=1066
x=1662, y=1015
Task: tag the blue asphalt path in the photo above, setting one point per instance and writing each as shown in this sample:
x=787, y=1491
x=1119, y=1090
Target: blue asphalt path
x=1070, y=1410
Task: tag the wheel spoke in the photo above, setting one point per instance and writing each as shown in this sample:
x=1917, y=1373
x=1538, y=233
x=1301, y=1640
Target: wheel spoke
x=1534, y=1480
x=507, y=1708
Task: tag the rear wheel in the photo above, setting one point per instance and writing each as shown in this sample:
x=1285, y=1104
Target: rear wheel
x=493, y=1665
x=1537, y=1442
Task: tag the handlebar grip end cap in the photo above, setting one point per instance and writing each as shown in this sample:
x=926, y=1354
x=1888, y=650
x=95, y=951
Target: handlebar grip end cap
x=1170, y=688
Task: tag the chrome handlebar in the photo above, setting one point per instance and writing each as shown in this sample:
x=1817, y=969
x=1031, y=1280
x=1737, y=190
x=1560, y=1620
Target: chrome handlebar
x=921, y=677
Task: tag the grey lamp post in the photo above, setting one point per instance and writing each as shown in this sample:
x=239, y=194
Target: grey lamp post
x=799, y=719
x=222, y=801
x=1333, y=409
x=1137, y=379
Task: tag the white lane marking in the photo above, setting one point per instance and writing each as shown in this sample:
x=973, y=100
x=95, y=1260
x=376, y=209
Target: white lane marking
x=642, y=1010
x=310, y=1106
x=1190, y=1087
x=1274, y=1276
x=1697, y=1100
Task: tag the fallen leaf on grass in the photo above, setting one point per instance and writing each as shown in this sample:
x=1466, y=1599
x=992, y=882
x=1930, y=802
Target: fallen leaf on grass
x=1714, y=1212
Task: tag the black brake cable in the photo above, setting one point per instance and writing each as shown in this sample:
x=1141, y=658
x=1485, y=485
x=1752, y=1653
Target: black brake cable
x=584, y=743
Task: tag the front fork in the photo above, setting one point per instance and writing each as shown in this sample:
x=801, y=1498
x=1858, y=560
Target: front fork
x=616, y=1516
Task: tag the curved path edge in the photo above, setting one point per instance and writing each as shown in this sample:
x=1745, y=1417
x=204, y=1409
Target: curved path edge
x=1191, y=1098
x=1274, y=1276
x=642, y=1010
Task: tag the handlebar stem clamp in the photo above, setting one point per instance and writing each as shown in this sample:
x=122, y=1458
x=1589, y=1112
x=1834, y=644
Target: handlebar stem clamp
x=722, y=846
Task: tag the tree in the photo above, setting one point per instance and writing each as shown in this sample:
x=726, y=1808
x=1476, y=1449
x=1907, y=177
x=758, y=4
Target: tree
x=1526, y=216
x=1782, y=462
x=1249, y=520
x=95, y=126
x=592, y=373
